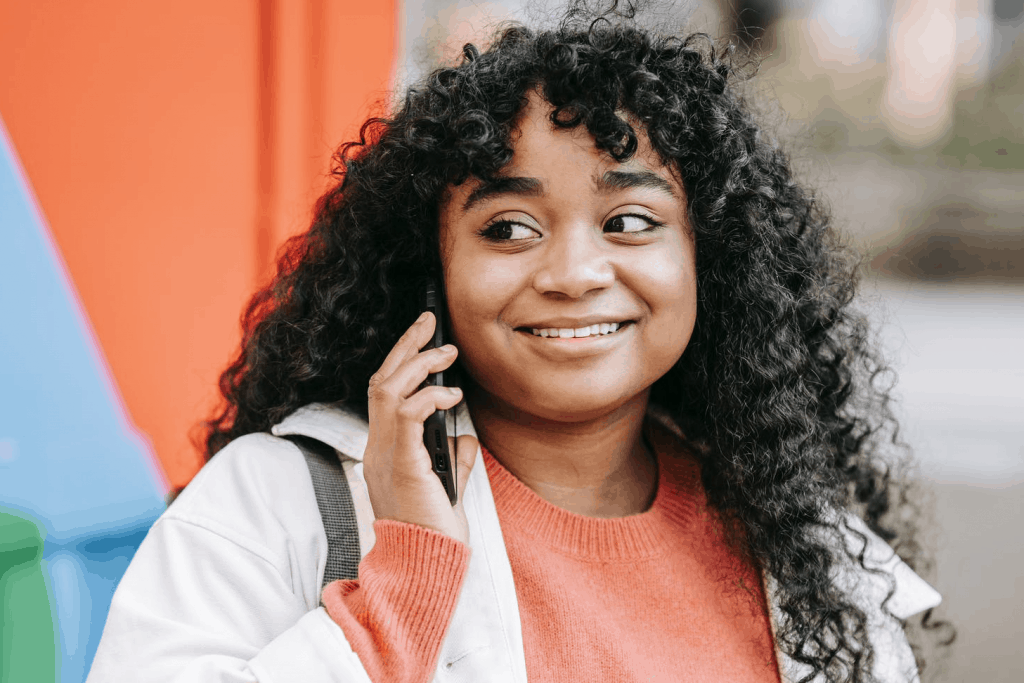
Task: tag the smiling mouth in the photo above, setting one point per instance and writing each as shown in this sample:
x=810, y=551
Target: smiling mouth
x=595, y=330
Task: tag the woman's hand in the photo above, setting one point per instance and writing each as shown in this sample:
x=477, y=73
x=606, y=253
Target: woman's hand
x=396, y=466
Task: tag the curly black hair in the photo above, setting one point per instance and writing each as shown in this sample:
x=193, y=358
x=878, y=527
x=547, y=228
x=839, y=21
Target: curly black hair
x=778, y=390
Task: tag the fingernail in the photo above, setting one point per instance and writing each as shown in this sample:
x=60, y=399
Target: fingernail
x=423, y=316
x=455, y=390
x=449, y=349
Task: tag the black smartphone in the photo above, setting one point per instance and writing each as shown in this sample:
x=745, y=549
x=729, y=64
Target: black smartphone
x=435, y=432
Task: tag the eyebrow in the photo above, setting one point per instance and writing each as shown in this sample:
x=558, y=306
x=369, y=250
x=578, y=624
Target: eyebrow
x=610, y=182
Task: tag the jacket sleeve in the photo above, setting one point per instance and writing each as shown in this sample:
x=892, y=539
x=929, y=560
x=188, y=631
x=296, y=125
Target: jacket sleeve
x=225, y=587
x=195, y=606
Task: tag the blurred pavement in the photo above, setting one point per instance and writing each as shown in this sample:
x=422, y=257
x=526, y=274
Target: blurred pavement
x=957, y=350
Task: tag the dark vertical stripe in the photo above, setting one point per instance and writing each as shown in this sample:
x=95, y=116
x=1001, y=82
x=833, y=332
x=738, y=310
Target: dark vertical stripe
x=316, y=85
x=266, y=133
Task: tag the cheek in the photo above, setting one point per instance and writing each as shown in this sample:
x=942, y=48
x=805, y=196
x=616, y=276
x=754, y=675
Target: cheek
x=669, y=286
x=479, y=290
x=668, y=276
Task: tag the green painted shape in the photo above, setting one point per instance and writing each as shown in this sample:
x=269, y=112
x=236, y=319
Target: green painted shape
x=28, y=650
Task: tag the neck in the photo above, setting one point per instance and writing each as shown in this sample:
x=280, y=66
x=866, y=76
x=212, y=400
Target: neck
x=597, y=467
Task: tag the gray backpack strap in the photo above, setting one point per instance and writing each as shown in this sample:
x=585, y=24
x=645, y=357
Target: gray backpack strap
x=337, y=511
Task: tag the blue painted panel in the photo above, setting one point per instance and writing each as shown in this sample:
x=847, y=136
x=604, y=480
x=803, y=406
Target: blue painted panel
x=68, y=454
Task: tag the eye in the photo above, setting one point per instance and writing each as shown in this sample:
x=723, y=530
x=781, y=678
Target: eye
x=507, y=231
x=631, y=222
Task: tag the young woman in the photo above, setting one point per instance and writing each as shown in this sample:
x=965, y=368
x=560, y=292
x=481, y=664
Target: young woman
x=671, y=462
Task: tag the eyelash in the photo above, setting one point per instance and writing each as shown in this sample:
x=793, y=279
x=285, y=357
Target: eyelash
x=489, y=231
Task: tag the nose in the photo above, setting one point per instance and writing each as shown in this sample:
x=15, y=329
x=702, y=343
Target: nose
x=573, y=264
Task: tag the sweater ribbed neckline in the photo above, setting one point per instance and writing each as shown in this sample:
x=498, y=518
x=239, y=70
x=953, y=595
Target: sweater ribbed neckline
x=641, y=536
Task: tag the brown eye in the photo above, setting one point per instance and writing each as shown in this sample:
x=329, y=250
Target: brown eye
x=508, y=231
x=631, y=222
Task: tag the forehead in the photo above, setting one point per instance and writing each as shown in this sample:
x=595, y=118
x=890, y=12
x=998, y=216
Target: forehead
x=540, y=149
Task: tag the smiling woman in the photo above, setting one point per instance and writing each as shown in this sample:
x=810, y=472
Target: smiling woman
x=672, y=461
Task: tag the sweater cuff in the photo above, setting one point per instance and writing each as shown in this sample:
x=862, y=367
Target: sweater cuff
x=396, y=614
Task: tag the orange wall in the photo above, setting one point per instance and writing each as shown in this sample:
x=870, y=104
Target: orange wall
x=172, y=147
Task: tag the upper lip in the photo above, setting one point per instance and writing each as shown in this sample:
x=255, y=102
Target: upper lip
x=574, y=323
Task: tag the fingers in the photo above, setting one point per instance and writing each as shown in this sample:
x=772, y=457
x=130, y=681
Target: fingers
x=421, y=405
x=411, y=374
x=410, y=453
x=414, y=339
x=405, y=381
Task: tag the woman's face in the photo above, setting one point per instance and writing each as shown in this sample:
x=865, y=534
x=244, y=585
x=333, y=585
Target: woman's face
x=568, y=245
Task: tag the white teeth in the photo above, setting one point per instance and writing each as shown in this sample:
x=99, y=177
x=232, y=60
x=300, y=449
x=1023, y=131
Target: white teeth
x=570, y=333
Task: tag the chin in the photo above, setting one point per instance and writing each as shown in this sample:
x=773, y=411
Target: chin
x=572, y=406
x=566, y=396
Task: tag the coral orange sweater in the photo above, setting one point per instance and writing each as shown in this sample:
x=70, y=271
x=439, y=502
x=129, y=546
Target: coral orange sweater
x=651, y=597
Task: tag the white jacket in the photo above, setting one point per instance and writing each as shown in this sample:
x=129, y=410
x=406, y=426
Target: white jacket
x=226, y=586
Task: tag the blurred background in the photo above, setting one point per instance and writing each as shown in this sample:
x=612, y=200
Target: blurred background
x=153, y=158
